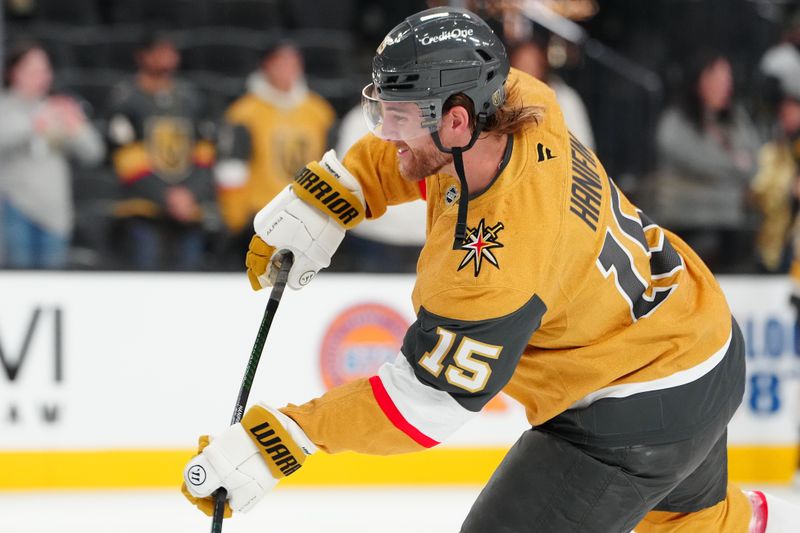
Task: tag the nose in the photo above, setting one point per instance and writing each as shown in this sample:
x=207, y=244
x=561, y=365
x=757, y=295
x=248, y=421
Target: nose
x=389, y=130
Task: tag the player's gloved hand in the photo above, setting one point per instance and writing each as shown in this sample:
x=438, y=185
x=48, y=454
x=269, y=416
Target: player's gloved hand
x=309, y=219
x=247, y=459
x=204, y=504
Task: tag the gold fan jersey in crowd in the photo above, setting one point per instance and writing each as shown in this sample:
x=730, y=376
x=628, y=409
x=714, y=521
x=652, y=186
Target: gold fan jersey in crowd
x=562, y=294
x=283, y=132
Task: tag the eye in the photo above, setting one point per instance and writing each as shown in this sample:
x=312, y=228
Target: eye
x=398, y=118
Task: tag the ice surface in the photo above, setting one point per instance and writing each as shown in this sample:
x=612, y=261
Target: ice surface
x=334, y=510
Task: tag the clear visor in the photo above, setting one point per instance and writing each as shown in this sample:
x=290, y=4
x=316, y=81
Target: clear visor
x=399, y=120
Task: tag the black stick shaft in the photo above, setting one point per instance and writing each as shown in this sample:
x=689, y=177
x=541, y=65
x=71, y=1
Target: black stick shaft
x=220, y=495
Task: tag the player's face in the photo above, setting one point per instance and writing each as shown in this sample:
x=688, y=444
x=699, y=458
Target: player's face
x=419, y=157
x=400, y=121
x=404, y=124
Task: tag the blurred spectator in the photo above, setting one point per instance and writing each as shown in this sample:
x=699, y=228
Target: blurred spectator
x=707, y=154
x=19, y=9
x=269, y=134
x=531, y=57
x=776, y=187
x=390, y=243
x=163, y=163
x=782, y=62
x=38, y=131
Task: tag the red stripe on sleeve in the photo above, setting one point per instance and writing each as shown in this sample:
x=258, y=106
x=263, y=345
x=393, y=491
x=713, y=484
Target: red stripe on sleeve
x=395, y=417
x=423, y=189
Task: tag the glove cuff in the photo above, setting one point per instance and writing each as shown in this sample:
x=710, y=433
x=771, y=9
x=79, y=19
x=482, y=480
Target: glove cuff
x=276, y=444
x=294, y=430
x=335, y=167
x=317, y=185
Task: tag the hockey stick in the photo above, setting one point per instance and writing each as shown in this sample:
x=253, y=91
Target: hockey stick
x=220, y=495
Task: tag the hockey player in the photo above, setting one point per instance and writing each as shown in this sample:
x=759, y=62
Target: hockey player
x=538, y=278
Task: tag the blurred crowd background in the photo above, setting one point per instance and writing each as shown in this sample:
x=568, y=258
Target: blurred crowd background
x=145, y=135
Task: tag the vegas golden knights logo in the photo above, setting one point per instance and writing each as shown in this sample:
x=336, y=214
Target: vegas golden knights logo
x=169, y=142
x=292, y=151
x=478, y=244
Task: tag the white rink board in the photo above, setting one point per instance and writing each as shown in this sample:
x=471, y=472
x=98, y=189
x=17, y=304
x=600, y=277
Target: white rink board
x=769, y=414
x=153, y=360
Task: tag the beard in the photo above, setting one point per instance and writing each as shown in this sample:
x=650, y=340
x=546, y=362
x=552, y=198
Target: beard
x=421, y=162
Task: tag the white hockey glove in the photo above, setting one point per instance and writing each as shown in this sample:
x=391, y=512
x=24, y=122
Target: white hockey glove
x=247, y=459
x=309, y=219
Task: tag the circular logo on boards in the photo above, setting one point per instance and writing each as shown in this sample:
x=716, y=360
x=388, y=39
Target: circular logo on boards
x=197, y=475
x=358, y=341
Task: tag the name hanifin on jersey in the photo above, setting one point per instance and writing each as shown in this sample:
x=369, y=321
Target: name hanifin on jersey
x=586, y=184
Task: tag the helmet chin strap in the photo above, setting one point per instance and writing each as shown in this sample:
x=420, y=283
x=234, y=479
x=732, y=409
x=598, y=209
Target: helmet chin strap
x=458, y=162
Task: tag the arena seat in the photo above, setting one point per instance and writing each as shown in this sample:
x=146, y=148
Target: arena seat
x=227, y=52
x=161, y=13
x=253, y=14
x=313, y=14
x=94, y=192
x=219, y=91
x=90, y=86
x=78, y=12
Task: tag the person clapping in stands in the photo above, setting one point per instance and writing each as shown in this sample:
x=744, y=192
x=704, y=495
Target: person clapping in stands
x=38, y=133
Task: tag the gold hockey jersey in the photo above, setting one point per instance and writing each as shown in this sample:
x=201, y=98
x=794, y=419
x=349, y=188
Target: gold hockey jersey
x=562, y=293
x=281, y=140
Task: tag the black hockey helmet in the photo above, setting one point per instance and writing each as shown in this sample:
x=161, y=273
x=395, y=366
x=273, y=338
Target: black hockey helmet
x=429, y=57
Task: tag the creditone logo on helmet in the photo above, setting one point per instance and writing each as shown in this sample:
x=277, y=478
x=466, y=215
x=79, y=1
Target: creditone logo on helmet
x=457, y=33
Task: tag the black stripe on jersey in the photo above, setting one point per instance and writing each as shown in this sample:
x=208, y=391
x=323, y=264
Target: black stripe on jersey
x=659, y=416
x=507, y=336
